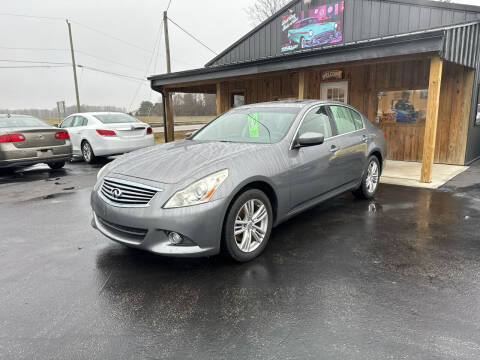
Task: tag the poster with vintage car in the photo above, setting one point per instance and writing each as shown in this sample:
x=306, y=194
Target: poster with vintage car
x=311, y=28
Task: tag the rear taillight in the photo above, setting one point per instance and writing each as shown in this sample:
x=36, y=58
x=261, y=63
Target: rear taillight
x=149, y=131
x=12, y=138
x=62, y=135
x=106, y=132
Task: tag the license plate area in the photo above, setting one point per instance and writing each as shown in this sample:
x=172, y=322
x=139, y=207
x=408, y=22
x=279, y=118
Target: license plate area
x=44, y=153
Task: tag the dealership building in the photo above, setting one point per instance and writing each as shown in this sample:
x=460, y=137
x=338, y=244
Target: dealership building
x=411, y=66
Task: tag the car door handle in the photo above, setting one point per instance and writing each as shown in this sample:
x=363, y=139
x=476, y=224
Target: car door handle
x=333, y=148
x=364, y=138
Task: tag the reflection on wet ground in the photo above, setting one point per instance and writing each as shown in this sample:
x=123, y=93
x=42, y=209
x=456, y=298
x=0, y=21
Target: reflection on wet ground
x=393, y=278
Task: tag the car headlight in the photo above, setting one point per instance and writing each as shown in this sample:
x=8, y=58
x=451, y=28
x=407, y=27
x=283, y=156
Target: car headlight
x=199, y=192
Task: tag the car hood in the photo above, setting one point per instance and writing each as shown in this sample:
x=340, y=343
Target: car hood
x=174, y=162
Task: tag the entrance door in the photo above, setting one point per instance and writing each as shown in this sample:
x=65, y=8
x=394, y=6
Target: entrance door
x=335, y=91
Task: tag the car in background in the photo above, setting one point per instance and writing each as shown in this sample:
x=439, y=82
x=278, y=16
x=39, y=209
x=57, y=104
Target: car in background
x=98, y=134
x=245, y=172
x=26, y=140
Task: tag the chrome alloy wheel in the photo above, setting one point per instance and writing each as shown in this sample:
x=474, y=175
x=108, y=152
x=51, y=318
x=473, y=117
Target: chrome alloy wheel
x=251, y=224
x=86, y=151
x=372, y=177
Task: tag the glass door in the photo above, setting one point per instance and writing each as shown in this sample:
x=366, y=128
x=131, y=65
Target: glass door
x=335, y=91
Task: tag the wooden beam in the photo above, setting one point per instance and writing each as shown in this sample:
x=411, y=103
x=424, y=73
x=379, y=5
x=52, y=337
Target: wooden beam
x=433, y=104
x=302, y=85
x=170, y=130
x=219, y=98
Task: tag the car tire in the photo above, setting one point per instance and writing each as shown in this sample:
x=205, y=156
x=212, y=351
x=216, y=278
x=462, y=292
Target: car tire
x=370, y=180
x=56, y=165
x=87, y=153
x=243, y=247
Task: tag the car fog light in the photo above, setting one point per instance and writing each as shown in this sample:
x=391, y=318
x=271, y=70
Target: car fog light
x=175, y=238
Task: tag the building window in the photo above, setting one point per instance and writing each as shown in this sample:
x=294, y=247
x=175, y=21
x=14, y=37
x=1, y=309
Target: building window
x=405, y=106
x=477, y=118
x=238, y=99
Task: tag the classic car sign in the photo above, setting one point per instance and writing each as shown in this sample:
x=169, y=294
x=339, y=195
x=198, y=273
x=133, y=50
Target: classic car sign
x=312, y=28
x=332, y=75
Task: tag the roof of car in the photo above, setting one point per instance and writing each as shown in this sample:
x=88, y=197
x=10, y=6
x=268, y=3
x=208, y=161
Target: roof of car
x=99, y=113
x=16, y=115
x=288, y=103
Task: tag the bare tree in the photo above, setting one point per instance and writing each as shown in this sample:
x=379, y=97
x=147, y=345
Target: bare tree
x=263, y=9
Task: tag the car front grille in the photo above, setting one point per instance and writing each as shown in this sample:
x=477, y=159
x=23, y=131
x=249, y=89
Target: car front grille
x=126, y=193
x=130, y=233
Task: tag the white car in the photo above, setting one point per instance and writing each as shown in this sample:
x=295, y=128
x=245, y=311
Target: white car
x=98, y=134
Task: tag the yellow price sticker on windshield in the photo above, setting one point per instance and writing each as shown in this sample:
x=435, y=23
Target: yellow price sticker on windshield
x=253, y=125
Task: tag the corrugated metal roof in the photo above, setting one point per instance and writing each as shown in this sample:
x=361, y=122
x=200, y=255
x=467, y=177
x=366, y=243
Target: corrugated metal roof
x=461, y=45
x=363, y=20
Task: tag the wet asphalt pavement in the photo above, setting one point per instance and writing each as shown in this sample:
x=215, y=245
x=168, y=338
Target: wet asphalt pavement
x=396, y=278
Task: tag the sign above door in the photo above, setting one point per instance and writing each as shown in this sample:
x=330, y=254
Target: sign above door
x=332, y=75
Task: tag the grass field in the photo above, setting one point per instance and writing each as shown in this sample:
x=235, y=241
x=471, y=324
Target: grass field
x=156, y=119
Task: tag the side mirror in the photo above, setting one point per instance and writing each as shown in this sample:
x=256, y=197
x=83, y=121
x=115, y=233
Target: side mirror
x=310, y=139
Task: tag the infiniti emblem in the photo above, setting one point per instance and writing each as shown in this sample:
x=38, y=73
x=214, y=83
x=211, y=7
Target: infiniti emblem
x=116, y=193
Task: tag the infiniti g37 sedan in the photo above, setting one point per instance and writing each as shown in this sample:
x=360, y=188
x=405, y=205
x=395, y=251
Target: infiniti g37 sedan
x=245, y=172
x=26, y=140
x=104, y=134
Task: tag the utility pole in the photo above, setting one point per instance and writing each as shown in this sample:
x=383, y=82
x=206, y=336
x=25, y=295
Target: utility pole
x=74, y=66
x=169, y=131
x=167, y=41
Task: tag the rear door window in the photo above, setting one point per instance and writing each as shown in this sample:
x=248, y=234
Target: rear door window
x=343, y=119
x=357, y=119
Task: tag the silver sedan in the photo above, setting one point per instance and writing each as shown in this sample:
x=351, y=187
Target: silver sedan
x=244, y=173
x=26, y=140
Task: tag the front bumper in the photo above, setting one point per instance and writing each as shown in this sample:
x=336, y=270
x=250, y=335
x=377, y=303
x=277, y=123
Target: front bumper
x=147, y=228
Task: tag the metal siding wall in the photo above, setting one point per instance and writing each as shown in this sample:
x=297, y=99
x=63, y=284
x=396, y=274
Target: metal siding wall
x=363, y=20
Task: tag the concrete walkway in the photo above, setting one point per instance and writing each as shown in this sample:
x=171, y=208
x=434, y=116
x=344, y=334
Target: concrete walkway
x=407, y=173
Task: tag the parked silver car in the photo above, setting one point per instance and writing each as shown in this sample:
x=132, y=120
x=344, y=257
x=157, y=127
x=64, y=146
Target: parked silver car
x=26, y=140
x=236, y=178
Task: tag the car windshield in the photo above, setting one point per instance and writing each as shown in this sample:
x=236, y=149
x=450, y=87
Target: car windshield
x=21, y=121
x=263, y=125
x=115, y=118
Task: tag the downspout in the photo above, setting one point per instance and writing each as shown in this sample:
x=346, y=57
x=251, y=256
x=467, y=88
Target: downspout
x=164, y=117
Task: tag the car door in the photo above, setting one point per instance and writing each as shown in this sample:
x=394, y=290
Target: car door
x=75, y=132
x=310, y=175
x=351, y=156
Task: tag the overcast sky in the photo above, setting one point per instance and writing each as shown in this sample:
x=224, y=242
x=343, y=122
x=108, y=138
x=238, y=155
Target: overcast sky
x=217, y=22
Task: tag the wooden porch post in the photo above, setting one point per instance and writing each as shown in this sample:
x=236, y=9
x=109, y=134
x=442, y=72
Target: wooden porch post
x=433, y=104
x=219, y=99
x=170, y=130
x=302, y=85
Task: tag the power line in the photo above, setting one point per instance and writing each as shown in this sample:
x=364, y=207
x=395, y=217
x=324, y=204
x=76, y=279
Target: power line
x=107, y=60
x=192, y=36
x=28, y=48
x=35, y=62
x=33, y=66
x=156, y=43
x=110, y=36
x=32, y=16
x=112, y=73
x=169, y=3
